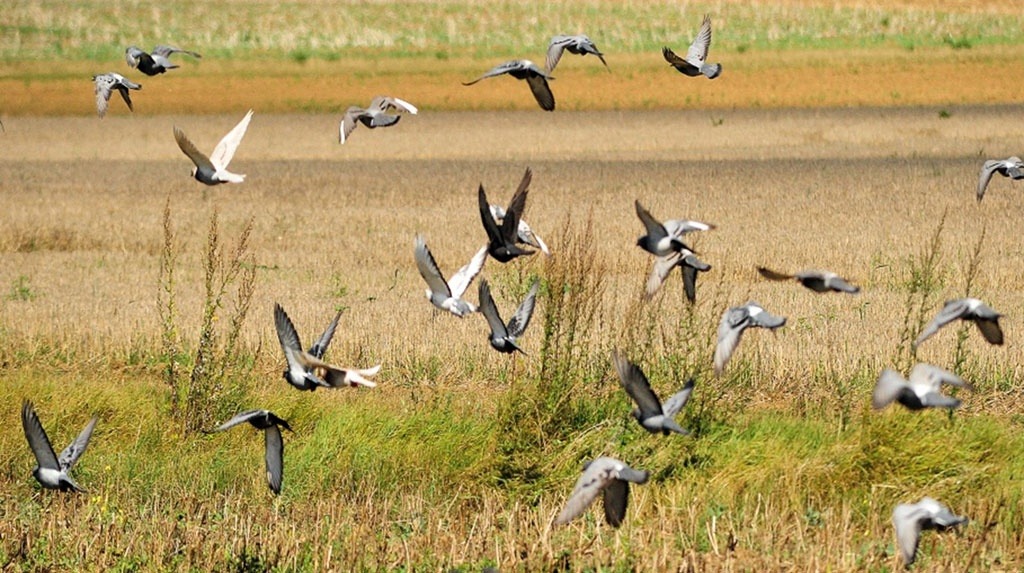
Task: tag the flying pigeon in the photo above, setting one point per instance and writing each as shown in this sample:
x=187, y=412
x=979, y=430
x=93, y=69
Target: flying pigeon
x=695, y=62
x=503, y=337
x=966, y=309
x=689, y=265
x=502, y=239
x=307, y=370
x=106, y=84
x=156, y=62
x=818, y=281
x=909, y=519
x=650, y=412
x=1011, y=167
x=579, y=44
x=603, y=475
x=271, y=425
x=734, y=322
x=534, y=76
x=52, y=471
x=658, y=241
x=213, y=170
x=376, y=115
x=524, y=235
x=923, y=390
x=444, y=294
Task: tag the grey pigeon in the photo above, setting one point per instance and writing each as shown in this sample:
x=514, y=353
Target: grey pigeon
x=658, y=241
x=923, y=390
x=306, y=370
x=970, y=309
x=271, y=425
x=695, y=62
x=689, y=265
x=525, y=70
x=603, y=475
x=818, y=281
x=376, y=115
x=447, y=294
x=579, y=44
x=106, y=84
x=1011, y=167
x=213, y=170
x=502, y=238
x=734, y=322
x=155, y=62
x=52, y=471
x=524, y=234
x=650, y=412
x=910, y=519
x=503, y=337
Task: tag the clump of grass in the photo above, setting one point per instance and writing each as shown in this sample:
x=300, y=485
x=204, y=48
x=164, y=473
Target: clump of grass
x=970, y=272
x=206, y=395
x=924, y=281
x=21, y=289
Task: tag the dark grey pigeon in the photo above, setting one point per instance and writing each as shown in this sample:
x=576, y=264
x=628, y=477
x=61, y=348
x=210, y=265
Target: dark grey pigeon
x=658, y=241
x=734, y=322
x=603, y=475
x=525, y=70
x=695, y=62
x=271, y=425
x=502, y=239
x=970, y=309
x=922, y=390
x=650, y=412
x=376, y=115
x=306, y=370
x=52, y=471
x=156, y=62
x=525, y=235
x=106, y=84
x=910, y=519
x=503, y=337
x=1011, y=167
x=579, y=44
x=818, y=281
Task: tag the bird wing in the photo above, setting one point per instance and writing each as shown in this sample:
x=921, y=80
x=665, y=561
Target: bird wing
x=383, y=103
x=662, y=268
x=906, y=519
x=836, y=282
x=274, y=457
x=516, y=207
x=690, y=282
x=490, y=311
x=132, y=55
x=337, y=377
x=502, y=68
x=36, y=436
x=616, y=498
x=123, y=90
x=698, y=51
x=672, y=58
x=494, y=235
x=677, y=401
x=225, y=150
x=348, y=122
x=654, y=228
x=730, y=329
x=934, y=377
x=987, y=170
x=765, y=319
x=319, y=347
x=286, y=333
x=541, y=92
x=888, y=387
x=555, y=49
x=990, y=329
x=521, y=319
x=166, y=51
x=429, y=270
x=69, y=457
x=635, y=383
x=201, y=161
x=595, y=477
x=239, y=418
x=951, y=311
x=773, y=275
x=104, y=84
x=463, y=277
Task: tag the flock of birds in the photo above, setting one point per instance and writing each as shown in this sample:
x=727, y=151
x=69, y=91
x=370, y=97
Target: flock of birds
x=509, y=237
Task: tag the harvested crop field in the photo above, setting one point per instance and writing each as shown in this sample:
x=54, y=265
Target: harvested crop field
x=462, y=457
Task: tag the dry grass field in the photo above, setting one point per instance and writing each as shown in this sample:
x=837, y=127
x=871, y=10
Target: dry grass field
x=843, y=135
x=456, y=460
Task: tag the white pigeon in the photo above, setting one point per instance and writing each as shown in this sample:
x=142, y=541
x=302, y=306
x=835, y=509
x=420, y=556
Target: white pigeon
x=52, y=471
x=447, y=294
x=213, y=170
x=734, y=321
x=106, y=84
